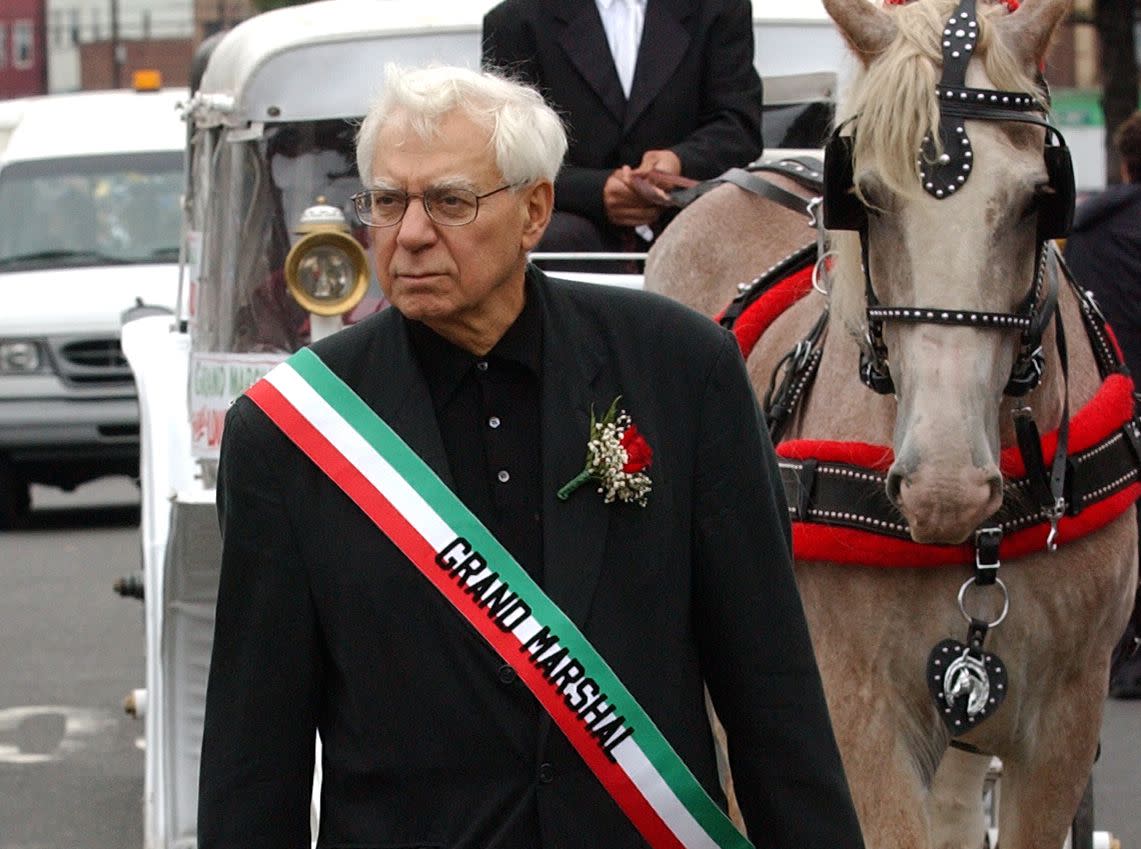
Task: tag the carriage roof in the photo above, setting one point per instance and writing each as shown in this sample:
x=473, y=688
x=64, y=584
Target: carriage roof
x=276, y=66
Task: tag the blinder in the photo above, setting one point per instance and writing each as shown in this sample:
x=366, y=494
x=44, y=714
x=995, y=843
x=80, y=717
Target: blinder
x=1056, y=212
x=843, y=209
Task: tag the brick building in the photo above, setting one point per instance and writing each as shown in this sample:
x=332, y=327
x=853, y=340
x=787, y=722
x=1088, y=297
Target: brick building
x=23, y=61
x=94, y=44
x=168, y=56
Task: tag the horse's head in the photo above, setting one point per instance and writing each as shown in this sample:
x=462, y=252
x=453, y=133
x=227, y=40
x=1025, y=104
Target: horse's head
x=949, y=201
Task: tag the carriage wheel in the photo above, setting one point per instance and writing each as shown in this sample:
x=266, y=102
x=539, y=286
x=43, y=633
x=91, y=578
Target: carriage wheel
x=992, y=794
x=1081, y=831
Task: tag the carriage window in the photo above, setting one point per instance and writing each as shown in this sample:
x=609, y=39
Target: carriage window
x=259, y=190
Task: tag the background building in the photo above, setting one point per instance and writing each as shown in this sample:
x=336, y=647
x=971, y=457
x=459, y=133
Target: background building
x=22, y=54
x=94, y=44
x=211, y=16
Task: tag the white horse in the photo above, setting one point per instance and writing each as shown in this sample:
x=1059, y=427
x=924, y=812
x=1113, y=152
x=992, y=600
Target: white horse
x=941, y=431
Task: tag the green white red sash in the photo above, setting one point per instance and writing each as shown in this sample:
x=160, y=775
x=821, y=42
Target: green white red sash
x=461, y=558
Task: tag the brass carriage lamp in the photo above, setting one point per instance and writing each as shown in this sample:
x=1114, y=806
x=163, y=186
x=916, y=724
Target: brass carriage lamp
x=326, y=271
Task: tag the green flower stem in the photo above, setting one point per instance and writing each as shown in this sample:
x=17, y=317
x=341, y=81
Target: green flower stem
x=578, y=480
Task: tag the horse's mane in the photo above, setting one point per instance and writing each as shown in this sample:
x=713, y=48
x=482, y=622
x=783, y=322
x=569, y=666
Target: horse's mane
x=894, y=107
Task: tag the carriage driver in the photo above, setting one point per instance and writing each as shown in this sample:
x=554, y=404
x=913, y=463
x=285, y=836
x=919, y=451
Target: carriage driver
x=666, y=554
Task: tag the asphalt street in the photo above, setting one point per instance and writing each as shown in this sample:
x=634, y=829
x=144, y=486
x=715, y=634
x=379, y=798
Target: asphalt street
x=71, y=760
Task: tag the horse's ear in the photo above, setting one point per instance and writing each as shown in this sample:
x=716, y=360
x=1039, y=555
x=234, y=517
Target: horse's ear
x=1028, y=29
x=868, y=29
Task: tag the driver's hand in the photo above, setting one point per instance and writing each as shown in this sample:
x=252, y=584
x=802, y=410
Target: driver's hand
x=624, y=206
x=659, y=160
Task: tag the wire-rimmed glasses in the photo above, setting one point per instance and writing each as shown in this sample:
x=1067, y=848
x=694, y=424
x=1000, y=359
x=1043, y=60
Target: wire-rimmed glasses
x=446, y=205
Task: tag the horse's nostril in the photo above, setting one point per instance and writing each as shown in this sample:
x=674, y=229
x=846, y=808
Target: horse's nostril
x=894, y=485
x=995, y=483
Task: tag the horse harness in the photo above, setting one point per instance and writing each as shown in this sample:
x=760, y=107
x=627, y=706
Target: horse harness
x=966, y=683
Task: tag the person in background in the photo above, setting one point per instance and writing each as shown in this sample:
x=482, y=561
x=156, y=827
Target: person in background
x=1104, y=253
x=650, y=89
x=669, y=552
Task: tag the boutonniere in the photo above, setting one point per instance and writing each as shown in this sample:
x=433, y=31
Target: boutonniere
x=617, y=456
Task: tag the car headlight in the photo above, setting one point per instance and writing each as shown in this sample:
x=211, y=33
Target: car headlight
x=22, y=356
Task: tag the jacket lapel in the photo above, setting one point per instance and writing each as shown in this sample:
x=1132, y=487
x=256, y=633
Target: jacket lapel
x=583, y=39
x=664, y=43
x=574, y=531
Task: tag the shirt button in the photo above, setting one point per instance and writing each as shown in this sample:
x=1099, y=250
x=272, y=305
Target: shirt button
x=507, y=674
x=504, y=476
x=481, y=365
x=546, y=774
x=493, y=422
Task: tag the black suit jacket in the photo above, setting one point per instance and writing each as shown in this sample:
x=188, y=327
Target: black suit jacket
x=695, y=88
x=427, y=739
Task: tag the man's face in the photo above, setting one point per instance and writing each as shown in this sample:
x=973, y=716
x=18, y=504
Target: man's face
x=464, y=278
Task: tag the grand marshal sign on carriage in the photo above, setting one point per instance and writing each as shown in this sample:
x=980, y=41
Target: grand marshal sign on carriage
x=215, y=381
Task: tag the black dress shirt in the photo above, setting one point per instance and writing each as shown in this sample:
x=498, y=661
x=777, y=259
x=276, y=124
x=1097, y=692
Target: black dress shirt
x=487, y=409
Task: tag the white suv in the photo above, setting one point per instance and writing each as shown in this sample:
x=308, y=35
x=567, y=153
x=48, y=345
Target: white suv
x=90, y=215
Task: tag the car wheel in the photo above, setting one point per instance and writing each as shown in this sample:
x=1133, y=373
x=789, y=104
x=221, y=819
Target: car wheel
x=15, y=497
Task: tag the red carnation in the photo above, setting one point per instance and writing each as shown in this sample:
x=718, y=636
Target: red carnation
x=639, y=454
x=616, y=459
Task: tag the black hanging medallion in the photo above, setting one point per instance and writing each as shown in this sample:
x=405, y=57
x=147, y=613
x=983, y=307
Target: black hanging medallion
x=967, y=684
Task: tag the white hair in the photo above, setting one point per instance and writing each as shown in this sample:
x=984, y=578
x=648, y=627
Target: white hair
x=527, y=135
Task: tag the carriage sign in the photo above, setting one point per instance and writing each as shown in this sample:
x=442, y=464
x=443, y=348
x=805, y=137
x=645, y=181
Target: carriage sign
x=216, y=379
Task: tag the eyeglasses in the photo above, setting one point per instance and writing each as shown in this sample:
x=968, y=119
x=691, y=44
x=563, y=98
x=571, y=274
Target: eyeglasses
x=446, y=205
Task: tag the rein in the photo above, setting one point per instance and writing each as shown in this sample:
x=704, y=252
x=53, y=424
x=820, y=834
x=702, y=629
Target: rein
x=804, y=170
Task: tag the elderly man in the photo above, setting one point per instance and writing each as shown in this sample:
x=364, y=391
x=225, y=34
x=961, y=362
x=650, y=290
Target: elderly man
x=500, y=646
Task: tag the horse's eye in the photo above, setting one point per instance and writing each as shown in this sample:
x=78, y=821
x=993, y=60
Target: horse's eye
x=1034, y=202
x=876, y=200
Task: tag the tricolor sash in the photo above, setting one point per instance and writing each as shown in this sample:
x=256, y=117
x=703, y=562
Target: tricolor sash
x=460, y=557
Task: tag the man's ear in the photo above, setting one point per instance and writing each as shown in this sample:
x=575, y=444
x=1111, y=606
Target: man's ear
x=539, y=203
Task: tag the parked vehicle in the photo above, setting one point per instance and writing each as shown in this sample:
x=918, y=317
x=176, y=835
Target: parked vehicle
x=10, y=112
x=273, y=259
x=89, y=227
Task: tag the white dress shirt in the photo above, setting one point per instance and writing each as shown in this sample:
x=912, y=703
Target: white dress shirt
x=623, y=20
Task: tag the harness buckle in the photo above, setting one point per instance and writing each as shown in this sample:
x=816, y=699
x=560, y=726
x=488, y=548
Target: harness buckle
x=801, y=353
x=986, y=555
x=799, y=479
x=1027, y=372
x=1055, y=515
x=813, y=205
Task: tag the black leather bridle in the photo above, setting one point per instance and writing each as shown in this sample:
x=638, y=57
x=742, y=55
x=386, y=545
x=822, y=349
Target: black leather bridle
x=941, y=176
